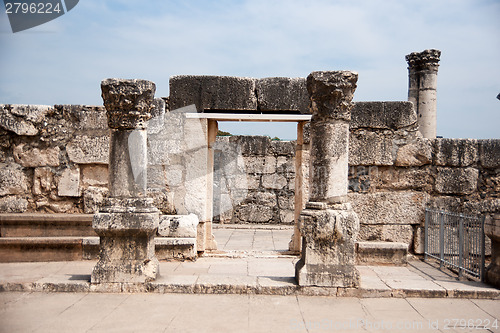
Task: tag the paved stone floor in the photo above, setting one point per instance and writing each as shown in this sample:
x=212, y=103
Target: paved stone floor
x=250, y=289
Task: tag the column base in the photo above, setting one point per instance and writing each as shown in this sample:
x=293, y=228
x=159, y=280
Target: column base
x=324, y=275
x=127, y=247
x=328, y=255
x=493, y=276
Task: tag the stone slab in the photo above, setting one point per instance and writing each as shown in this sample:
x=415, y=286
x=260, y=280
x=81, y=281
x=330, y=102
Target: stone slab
x=383, y=115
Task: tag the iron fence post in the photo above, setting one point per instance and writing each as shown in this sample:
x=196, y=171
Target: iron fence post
x=482, y=269
x=426, y=233
x=460, y=245
x=441, y=239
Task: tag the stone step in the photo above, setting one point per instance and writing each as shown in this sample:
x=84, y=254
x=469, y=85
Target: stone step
x=382, y=253
x=34, y=249
x=46, y=225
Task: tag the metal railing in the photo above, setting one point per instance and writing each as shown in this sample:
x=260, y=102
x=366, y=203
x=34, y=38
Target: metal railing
x=456, y=241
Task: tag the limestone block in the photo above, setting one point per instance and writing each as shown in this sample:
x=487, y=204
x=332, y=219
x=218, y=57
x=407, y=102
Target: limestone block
x=415, y=154
x=455, y=152
x=15, y=124
x=13, y=204
x=419, y=240
x=286, y=202
x=86, y=117
x=389, y=207
x=12, y=179
x=162, y=199
x=157, y=121
x=282, y=94
x=93, y=199
x=68, y=184
x=32, y=113
x=43, y=180
x=55, y=206
x=370, y=148
x=263, y=198
x=94, y=175
x=386, y=233
x=489, y=153
x=87, y=149
x=183, y=226
x=213, y=92
x=383, y=115
x=196, y=184
x=252, y=145
x=287, y=216
x=328, y=253
x=390, y=178
x=30, y=157
x=260, y=164
x=161, y=151
x=253, y=214
x=283, y=148
x=173, y=175
x=382, y=253
x=456, y=180
x=274, y=181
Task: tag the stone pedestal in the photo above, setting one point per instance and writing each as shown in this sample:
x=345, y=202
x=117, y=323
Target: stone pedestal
x=492, y=230
x=328, y=225
x=422, y=73
x=128, y=221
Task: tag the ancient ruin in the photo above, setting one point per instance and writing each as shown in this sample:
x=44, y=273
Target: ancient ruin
x=328, y=225
x=128, y=221
x=354, y=183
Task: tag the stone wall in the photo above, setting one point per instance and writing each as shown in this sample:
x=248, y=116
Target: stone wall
x=54, y=159
x=254, y=180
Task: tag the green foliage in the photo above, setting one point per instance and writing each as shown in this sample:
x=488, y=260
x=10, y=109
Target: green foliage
x=276, y=139
x=222, y=133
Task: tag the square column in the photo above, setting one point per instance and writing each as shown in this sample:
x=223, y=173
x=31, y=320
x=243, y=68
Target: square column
x=128, y=221
x=328, y=225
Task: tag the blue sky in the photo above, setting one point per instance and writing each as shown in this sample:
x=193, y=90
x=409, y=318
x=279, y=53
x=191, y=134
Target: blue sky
x=63, y=61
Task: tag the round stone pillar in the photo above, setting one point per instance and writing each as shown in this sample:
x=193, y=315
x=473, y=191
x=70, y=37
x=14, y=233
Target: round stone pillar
x=128, y=221
x=329, y=227
x=422, y=73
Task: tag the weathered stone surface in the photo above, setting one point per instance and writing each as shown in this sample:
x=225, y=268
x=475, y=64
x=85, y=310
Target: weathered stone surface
x=30, y=157
x=391, y=178
x=260, y=164
x=85, y=117
x=93, y=199
x=213, y=93
x=254, y=213
x=43, y=180
x=389, y=207
x=489, y=153
x=282, y=94
x=328, y=253
x=492, y=230
x=68, y=184
x=371, y=148
x=157, y=121
x=383, y=115
x=128, y=102
x=15, y=124
x=415, y=154
x=274, y=181
x=456, y=152
x=12, y=179
x=283, y=148
x=183, y=226
x=13, y=204
x=162, y=199
x=94, y=175
x=31, y=113
x=456, y=180
x=87, y=149
x=55, y=206
x=387, y=233
x=331, y=94
x=252, y=145
x=382, y=253
x=419, y=241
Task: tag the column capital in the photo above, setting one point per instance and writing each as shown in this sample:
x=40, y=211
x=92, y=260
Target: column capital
x=331, y=94
x=128, y=103
x=427, y=59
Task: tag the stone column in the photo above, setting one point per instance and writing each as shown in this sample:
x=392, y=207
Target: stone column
x=328, y=225
x=422, y=73
x=492, y=230
x=128, y=221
